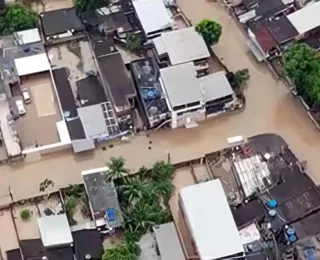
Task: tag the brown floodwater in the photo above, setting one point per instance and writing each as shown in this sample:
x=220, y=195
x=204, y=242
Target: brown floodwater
x=270, y=109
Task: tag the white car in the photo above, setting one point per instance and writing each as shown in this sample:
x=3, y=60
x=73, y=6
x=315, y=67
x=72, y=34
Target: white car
x=26, y=96
x=21, y=108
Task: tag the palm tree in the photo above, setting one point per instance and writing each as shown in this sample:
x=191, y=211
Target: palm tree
x=116, y=168
x=162, y=171
x=142, y=217
x=133, y=189
x=164, y=189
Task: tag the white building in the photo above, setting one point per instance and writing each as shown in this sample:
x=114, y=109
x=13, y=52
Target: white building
x=306, y=19
x=153, y=16
x=208, y=217
x=189, y=98
x=182, y=46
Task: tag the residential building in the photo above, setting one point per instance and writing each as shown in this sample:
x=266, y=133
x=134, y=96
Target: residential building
x=153, y=103
x=103, y=199
x=168, y=242
x=61, y=25
x=27, y=36
x=211, y=225
x=116, y=78
x=182, y=46
x=189, y=98
x=153, y=16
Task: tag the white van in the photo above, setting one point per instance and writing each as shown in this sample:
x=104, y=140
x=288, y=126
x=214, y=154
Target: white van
x=26, y=96
x=20, y=106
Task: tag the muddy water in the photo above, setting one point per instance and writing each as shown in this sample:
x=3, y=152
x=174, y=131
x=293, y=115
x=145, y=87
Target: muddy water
x=270, y=108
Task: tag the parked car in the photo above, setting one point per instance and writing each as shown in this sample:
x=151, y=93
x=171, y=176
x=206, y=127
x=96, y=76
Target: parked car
x=26, y=96
x=20, y=106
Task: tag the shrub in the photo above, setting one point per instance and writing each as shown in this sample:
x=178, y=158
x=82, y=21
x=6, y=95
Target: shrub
x=25, y=214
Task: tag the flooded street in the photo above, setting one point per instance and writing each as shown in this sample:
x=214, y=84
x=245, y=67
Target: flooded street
x=270, y=108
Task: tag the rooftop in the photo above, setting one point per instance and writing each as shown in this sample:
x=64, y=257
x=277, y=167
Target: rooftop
x=33, y=249
x=90, y=91
x=307, y=18
x=87, y=242
x=68, y=104
x=264, y=8
x=111, y=17
x=182, y=46
x=27, y=36
x=102, y=197
x=215, y=86
x=270, y=33
x=32, y=64
x=99, y=120
x=215, y=235
x=146, y=76
x=168, y=242
x=114, y=74
x=181, y=84
x=60, y=21
x=55, y=230
x=153, y=15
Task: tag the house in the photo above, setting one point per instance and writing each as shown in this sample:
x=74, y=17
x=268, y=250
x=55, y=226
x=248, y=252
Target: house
x=191, y=99
x=168, y=242
x=61, y=25
x=107, y=19
x=211, y=225
x=182, y=46
x=153, y=16
x=27, y=36
x=183, y=95
x=267, y=37
x=146, y=76
x=115, y=77
x=103, y=199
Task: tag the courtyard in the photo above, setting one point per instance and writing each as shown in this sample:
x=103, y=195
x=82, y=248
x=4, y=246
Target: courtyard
x=38, y=125
x=270, y=108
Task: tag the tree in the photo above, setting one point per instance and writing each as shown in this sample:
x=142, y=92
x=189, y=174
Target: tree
x=210, y=31
x=119, y=252
x=17, y=18
x=90, y=5
x=302, y=66
x=162, y=171
x=133, y=43
x=116, y=168
x=242, y=77
x=133, y=189
x=164, y=189
x=71, y=203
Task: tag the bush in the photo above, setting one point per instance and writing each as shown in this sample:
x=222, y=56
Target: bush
x=25, y=214
x=71, y=204
x=17, y=18
x=133, y=43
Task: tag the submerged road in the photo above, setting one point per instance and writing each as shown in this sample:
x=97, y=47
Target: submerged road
x=270, y=109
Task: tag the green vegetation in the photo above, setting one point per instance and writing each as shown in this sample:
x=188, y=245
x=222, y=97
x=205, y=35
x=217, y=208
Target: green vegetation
x=17, y=18
x=133, y=43
x=210, y=31
x=76, y=195
x=242, y=77
x=117, y=168
x=302, y=66
x=25, y=214
x=89, y=5
x=45, y=185
x=144, y=201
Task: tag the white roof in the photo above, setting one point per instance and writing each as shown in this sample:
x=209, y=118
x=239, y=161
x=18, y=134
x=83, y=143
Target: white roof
x=182, y=45
x=210, y=220
x=307, y=18
x=168, y=242
x=55, y=230
x=153, y=15
x=27, y=36
x=181, y=84
x=215, y=86
x=32, y=64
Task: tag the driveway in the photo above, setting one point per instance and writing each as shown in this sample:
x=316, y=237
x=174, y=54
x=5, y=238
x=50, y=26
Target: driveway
x=270, y=109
